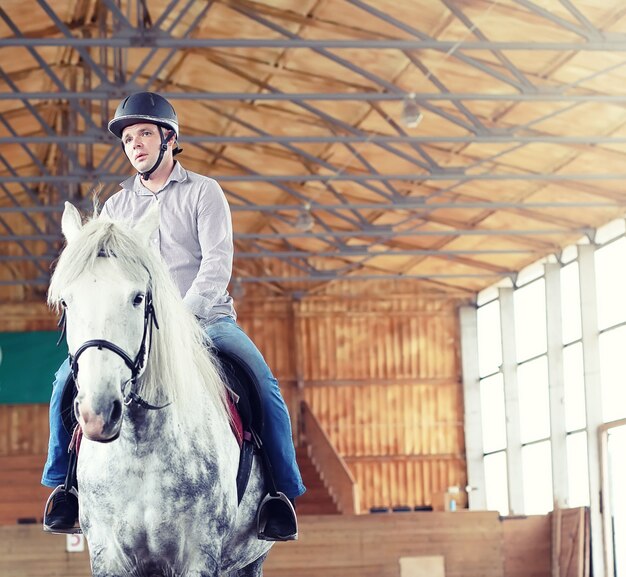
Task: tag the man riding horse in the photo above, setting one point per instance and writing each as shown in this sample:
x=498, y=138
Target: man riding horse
x=196, y=242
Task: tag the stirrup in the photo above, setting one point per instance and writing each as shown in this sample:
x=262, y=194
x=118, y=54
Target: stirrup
x=76, y=530
x=262, y=516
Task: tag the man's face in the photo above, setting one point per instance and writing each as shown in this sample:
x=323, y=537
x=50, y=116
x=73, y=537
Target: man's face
x=141, y=145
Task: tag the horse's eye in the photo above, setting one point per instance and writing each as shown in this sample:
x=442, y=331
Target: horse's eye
x=63, y=303
x=138, y=299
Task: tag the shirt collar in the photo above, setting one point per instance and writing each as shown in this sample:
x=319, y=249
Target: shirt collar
x=178, y=174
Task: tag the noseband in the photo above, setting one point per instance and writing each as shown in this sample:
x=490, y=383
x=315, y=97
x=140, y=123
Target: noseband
x=135, y=365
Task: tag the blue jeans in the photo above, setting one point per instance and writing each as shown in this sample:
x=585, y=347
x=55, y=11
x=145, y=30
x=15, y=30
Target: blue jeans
x=226, y=336
x=55, y=469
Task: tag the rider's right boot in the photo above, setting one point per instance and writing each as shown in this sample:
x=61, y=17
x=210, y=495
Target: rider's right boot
x=61, y=511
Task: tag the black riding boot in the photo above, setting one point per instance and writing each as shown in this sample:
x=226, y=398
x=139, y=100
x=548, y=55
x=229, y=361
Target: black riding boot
x=62, y=511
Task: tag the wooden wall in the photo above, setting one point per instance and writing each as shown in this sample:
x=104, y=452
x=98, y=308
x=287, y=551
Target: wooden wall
x=382, y=376
x=527, y=543
x=329, y=546
x=379, y=369
x=472, y=544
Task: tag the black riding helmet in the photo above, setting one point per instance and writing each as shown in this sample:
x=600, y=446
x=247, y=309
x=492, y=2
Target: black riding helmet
x=147, y=107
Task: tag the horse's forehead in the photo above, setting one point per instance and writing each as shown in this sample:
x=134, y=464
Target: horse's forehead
x=110, y=275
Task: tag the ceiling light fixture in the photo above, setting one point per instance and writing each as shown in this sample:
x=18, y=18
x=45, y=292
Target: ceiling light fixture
x=305, y=221
x=411, y=114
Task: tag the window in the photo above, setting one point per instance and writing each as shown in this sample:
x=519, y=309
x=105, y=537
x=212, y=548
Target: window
x=492, y=411
x=612, y=368
x=611, y=283
x=489, y=340
x=538, y=497
x=496, y=483
x=577, y=469
x=574, y=384
x=533, y=385
x=534, y=401
x=530, y=320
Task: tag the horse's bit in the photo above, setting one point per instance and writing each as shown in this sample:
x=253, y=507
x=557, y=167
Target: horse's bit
x=136, y=366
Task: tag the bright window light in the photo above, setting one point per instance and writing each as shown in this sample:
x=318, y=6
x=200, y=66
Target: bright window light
x=530, y=320
x=574, y=385
x=496, y=483
x=616, y=482
x=489, y=340
x=492, y=412
x=612, y=370
x=534, y=400
x=577, y=469
x=537, y=478
x=570, y=303
x=611, y=283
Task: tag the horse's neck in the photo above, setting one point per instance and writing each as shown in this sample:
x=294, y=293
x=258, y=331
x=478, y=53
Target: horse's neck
x=143, y=424
x=171, y=422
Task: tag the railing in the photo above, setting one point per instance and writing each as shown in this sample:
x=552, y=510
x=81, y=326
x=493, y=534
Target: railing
x=335, y=474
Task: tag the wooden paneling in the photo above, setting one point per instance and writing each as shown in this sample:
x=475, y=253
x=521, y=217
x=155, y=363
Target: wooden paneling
x=22, y=497
x=33, y=315
x=382, y=377
x=372, y=545
x=329, y=546
x=527, y=546
x=571, y=542
x=23, y=429
x=26, y=551
x=380, y=373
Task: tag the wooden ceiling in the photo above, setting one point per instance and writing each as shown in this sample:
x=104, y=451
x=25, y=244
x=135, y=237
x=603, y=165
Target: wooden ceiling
x=302, y=110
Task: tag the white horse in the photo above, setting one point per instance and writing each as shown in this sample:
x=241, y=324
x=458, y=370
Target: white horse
x=158, y=461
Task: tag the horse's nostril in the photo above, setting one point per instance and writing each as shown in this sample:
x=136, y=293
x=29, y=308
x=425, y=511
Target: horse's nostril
x=116, y=411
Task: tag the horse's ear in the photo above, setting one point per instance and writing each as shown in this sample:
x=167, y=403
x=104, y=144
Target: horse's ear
x=71, y=222
x=149, y=222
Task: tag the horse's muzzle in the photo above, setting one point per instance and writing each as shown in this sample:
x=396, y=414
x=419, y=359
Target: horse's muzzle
x=102, y=423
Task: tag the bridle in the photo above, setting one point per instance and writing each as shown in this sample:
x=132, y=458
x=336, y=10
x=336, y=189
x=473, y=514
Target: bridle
x=136, y=365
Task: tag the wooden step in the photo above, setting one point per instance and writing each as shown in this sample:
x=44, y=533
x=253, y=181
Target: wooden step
x=317, y=500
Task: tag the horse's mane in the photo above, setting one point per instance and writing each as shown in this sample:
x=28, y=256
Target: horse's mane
x=179, y=368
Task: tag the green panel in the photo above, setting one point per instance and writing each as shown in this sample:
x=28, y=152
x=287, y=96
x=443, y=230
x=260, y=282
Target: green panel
x=28, y=362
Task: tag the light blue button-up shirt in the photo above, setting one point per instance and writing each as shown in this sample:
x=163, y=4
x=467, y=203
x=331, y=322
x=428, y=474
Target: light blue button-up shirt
x=195, y=236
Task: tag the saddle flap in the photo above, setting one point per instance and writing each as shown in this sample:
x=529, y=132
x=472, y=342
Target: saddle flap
x=240, y=379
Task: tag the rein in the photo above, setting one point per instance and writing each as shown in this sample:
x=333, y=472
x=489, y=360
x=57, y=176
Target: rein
x=135, y=365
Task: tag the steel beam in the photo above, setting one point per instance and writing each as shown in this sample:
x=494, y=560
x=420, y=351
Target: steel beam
x=560, y=22
x=102, y=138
x=374, y=232
x=475, y=31
x=322, y=277
x=387, y=253
x=341, y=253
x=403, y=204
x=555, y=94
x=614, y=43
x=452, y=52
x=85, y=177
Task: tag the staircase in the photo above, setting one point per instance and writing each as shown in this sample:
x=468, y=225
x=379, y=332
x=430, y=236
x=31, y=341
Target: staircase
x=317, y=499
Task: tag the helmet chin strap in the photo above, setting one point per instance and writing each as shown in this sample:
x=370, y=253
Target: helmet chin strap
x=146, y=175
